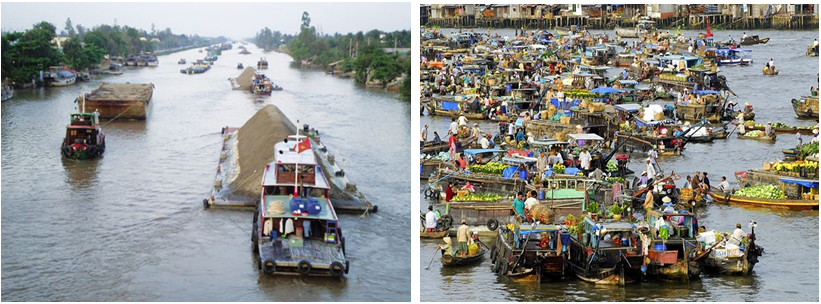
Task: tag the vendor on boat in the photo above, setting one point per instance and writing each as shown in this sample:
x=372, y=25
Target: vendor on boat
x=424, y=136
x=532, y=200
x=447, y=247
x=519, y=206
x=469, y=187
x=768, y=129
x=436, y=138
x=724, y=185
x=737, y=236
x=449, y=193
x=463, y=237
x=431, y=220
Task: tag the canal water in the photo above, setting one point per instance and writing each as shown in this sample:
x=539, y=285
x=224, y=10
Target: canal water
x=788, y=271
x=130, y=226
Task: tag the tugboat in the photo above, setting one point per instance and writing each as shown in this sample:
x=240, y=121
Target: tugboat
x=262, y=85
x=262, y=64
x=182, y=61
x=295, y=226
x=84, y=138
x=240, y=66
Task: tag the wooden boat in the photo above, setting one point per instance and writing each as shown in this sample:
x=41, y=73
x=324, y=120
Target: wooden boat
x=261, y=85
x=84, y=139
x=262, y=64
x=240, y=66
x=803, y=131
x=317, y=245
x=59, y=77
x=751, y=40
x=182, y=61
x=526, y=261
x=735, y=261
x=433, y=235
x=451, y=260
x=768, y=71
x=806, y=107
x=121, y=100
x=670, y=259
x=812, y=51
x=449, y=107
x=8, y=92
x=710, y=107
x=793, y=204
x=770, y=139
x=620, y=265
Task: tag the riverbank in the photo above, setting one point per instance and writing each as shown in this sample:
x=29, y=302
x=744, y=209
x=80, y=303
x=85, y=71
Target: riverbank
x=693, y=22
x=179, y=49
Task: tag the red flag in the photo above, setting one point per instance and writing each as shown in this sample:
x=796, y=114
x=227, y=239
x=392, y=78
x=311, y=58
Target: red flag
x=303, y=145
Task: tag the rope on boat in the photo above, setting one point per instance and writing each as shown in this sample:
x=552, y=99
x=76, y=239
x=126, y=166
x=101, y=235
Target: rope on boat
x=118, y=115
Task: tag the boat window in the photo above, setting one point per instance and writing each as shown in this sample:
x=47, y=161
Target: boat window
x=269, y=190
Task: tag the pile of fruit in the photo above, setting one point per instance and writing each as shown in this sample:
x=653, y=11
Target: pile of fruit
x=489, y=168
x=614, y=180
x=579, y=94
x=477, y=197
x=808, y=150
x=763, y=191
x=611, y=166
x=809, y=166
x=558, y=169
x=755, y=133
x=673, y=77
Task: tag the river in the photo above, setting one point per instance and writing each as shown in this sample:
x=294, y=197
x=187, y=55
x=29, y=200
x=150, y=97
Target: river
x=130, y=226
x=788, y=270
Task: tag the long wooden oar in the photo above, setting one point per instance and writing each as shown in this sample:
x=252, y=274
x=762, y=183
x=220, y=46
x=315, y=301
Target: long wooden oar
x=431, y=259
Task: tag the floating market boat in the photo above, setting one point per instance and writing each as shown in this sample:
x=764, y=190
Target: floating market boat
x=521, y=254
x=84, y=139
x=262, y=84
x=433, y=235
x=642, y=26
x=806, y=107
x=455, y=260
x=196, y=69
x=725, y=258
x=761, y=137
x=709, y=105
x=451, y=107
x=779, y=128
x=262, y=64
x=751, y=40
x=295, y=226
x=727, y=56
x=601, y=262
x=670, y=259
x=59, y=77
x=781, y=201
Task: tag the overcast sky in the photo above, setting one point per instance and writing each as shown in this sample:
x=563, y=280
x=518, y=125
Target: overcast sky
x=234, y=20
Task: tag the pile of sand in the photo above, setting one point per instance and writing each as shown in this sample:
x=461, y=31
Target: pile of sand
x=255, y=147
x=122, y=91
x=244, y=80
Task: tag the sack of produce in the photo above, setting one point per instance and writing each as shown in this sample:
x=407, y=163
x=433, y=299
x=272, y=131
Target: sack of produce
x=658, y=116
x=473, y=249
x=598, y=107
x=559, y=136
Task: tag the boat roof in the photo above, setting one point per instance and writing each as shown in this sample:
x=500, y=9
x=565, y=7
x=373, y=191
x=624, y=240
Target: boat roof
x=547, y=142
x=613, y=226
x=585, y=136
x=800, y=181
x=628, y=107
x=480, y=151
x=706, y=92
x=327, y=212
x=519, y=160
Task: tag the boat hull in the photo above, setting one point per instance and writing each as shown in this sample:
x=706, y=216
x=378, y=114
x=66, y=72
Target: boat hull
x=450, y=260
x=763, y=202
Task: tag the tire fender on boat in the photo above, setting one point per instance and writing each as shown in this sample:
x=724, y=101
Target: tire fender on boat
x=492, y=224
x=447, y=220
x=337, y=269
x=347, y=266
x=304, y=267
x=205, y=203
x=269, y=266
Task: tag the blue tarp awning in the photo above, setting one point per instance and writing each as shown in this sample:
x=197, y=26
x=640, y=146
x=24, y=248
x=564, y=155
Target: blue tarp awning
x=605, y=90
x=704, y=92
x=805, y=183
x=448, y=106
x=480, y=151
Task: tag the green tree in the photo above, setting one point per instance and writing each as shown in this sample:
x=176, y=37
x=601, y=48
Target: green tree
x=70, y=28
x=26, y=54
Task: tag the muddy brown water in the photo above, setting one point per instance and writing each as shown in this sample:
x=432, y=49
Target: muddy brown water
x=130, y=226
x=788, y=271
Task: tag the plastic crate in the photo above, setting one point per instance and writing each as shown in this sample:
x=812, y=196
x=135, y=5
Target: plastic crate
x=663, y=257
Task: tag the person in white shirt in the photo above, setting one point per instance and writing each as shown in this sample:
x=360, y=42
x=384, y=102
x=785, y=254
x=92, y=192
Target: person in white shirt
x=738, y=234
x=424, y=136
x=531, y=200
x=454, y=127
x=475, y=133
x=484, y=142
x=430, y=220
x=584, y=159
x=724, y=185
x=651, y=172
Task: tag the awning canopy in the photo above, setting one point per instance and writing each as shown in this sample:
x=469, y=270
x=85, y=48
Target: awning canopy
x=585, y=136
x=802, y=182
x=480, y=151
x=628, y=107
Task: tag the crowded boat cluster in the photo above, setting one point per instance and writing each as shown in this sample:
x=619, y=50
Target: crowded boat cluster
x=552, y=182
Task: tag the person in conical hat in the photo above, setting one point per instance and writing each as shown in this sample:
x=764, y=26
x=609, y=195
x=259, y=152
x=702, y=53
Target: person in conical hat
x=447, y=247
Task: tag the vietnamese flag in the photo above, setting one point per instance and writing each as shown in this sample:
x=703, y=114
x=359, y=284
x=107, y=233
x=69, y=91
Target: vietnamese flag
x=303, y=145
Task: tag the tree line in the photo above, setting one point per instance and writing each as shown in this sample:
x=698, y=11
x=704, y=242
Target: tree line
x=356, y=52
x=26, y=53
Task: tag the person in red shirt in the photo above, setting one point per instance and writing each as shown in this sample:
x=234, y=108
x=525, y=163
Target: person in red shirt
x=449, y=192
x=460, y=159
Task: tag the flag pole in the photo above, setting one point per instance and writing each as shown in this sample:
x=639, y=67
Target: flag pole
x=296, y=165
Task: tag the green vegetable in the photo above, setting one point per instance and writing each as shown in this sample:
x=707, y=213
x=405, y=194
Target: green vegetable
x=762, y=191
x=612, y=166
